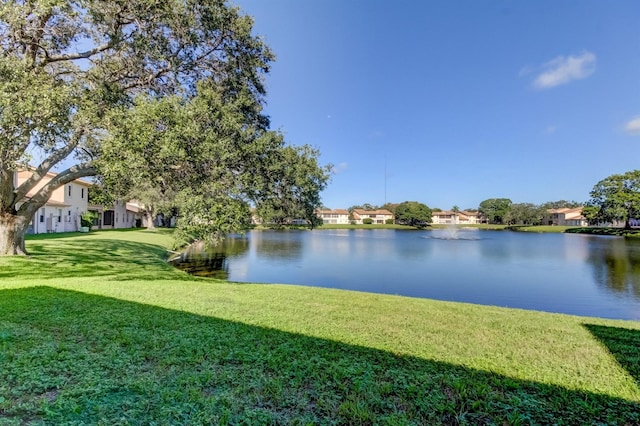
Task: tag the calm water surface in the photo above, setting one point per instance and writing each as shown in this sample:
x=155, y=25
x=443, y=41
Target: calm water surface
x=573, y=274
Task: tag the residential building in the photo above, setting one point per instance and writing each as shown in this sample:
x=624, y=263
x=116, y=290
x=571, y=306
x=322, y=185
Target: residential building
x=379, y=217
x=65, y=206
x=117, y=216
x=565, y=217
x=334, y=217
x=462, y=217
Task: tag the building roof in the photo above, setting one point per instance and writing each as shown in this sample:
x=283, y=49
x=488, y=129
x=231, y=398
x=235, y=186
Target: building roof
x=565, y=210
x=370, y=212
x=51, y=175
x=133, y=208
x=53, y=203
x=335, y=211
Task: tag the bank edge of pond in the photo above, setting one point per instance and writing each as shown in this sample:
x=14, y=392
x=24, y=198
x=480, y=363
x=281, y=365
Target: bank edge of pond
x=611, y=231
x=589, y=230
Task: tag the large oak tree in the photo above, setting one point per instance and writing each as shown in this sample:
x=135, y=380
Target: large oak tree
x=69, y=68
x=413, y=213
x=615, y=198
x=495, y=209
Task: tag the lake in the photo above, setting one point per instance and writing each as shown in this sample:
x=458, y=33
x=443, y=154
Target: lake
x=569, y=273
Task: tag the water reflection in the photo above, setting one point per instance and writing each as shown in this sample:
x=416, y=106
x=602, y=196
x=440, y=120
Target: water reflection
x=278, y=245
x=616, y=265
x=578, y=275
x=413, y=247
x=211, y=262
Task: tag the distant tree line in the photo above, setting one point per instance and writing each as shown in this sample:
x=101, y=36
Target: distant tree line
x=495, y=210
x=615, y=199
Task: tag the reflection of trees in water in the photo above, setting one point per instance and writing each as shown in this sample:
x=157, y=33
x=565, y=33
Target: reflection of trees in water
x=213, y=266
x=211, y=262
x=616, y=265
x=284, y=246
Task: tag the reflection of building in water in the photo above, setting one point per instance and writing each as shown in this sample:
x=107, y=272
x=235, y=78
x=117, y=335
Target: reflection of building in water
x=616, y=265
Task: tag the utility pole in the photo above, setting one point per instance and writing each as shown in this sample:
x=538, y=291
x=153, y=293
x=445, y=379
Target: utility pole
x=385, y=178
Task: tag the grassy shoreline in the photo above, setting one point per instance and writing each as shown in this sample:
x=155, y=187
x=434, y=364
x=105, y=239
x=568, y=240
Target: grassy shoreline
x=98, y=328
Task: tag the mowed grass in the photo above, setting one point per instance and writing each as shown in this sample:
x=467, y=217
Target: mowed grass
x=98, y=329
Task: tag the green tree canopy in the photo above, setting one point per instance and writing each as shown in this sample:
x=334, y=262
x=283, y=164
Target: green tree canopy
x=72, y=72
x=291, y=186
x=210, y=157
x=524, y=214
x=495, y=209
x=390, y=207
x=561, y=204
x=615, y=198
x=413, y=213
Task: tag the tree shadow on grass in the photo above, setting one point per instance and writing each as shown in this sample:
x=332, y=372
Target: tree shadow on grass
x=121, y=260
x=70, y=357
x=624, y=345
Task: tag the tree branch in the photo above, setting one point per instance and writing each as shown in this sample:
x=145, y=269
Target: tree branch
x=42, y=196
x=46, y=165
x=80, y=55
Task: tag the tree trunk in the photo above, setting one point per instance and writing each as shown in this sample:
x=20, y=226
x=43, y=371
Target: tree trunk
x=148, y=213
x=12, y=230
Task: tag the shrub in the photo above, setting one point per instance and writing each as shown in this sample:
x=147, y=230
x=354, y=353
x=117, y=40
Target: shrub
x=87, y=218
x=389, y=221
x=367, y=221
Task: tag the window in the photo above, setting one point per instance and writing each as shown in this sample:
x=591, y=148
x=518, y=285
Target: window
x=69, y=190
x=108, y=218
x=82, y=193
x=41, y=219
x=59, y=215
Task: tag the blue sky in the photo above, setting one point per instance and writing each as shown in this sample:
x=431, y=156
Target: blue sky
x=461, y=100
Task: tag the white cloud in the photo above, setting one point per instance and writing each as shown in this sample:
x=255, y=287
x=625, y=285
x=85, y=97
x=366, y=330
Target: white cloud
x=564, y=69
x=633, y=126
x=340, y=167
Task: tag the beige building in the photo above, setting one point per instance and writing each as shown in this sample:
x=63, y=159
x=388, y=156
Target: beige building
x=65, y=206
x=379, y=217
x=565, y=217
x=462, y=217
x=118, y=216
x=333, y=217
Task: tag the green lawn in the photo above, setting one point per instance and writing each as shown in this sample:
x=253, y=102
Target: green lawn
x=98, y=329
